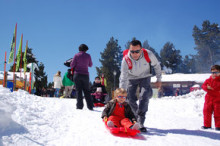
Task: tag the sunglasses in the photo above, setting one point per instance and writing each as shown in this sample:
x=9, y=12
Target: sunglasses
x=124, y=97
x=215, y=73
x=137, y=51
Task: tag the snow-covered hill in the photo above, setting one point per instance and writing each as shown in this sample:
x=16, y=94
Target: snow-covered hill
x=32, y=121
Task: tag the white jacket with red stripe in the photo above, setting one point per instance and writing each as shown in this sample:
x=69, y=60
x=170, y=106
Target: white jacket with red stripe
x=140, y=69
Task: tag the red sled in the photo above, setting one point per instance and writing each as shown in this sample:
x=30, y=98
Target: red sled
x=99, y=104
x=122, y=132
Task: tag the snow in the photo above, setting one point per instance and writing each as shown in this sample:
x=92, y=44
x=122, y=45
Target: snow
x=180, y=77
x=18, y=74
x=29, y=120
x=196, y=86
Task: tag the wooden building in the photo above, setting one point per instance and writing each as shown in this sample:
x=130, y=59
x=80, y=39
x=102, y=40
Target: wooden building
x=20, y=79
x=171, y=83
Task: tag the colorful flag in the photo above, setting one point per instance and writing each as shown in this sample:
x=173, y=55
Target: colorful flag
x=13, y=45
x=25, y=58
x=19, y=53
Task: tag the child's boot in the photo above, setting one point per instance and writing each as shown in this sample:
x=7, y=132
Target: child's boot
x=110, y=124
x=217, y=128
x=204, y=127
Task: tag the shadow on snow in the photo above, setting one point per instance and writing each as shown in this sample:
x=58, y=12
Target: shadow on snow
x=201, y=133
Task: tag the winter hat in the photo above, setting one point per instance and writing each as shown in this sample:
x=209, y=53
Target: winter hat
x=99, y=89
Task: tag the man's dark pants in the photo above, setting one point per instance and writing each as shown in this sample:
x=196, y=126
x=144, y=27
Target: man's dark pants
x=82, y=85
x=144, y=96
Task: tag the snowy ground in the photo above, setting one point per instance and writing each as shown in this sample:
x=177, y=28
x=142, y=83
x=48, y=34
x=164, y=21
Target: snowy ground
x=28, y=120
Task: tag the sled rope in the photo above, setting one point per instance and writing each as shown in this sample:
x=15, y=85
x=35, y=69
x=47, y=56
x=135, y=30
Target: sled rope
x=126, y=130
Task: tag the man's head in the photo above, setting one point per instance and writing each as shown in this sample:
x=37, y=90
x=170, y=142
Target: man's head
x=97, y=80
x=83, y=48
x=135, y=49
x=215, y=69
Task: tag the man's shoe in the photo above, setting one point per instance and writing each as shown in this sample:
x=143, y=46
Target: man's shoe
x=110, y=124
x=217, y=128
x=143, y=129
x=204, y=127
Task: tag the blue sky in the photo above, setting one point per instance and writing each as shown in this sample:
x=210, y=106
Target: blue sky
x=55, y=28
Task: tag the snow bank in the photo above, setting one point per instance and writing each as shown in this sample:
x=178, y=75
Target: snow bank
x=31, y=120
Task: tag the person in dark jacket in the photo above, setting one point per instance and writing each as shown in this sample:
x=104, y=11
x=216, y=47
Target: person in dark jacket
x=96, y=84
x=68, y=84
x=80, y=63
x=118, y=113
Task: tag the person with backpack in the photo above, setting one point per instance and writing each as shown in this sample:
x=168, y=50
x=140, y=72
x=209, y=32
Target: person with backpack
x=136, y=71
x=68, y=84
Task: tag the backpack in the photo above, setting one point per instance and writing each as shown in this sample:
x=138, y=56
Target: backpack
x=129, y=62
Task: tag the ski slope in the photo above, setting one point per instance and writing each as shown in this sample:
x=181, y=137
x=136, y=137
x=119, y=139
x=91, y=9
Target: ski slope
x=29, y=120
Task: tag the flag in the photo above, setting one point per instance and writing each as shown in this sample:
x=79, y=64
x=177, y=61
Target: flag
x=13, y=45
x=19, y=53
x=25, y=57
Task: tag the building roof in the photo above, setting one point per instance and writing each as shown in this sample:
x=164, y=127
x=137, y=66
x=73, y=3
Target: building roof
x=179, y=77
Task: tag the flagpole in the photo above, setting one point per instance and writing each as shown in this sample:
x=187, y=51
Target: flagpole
x=25, y=63
x=14, y=55
x=4, y=70
x=21, y=56
x=30, y=82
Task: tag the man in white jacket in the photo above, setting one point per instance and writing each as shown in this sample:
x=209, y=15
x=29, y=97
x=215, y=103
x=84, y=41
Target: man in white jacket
x=57, y=83
x=136, y=71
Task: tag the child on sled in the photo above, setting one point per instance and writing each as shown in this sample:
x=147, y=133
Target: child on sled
x=118, y=112
x=99, y=97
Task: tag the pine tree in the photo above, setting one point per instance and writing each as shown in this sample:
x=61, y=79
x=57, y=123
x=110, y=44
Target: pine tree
x=207, y=42
x=170, y=57
x=187, y=65
x=147, y=46
x=50, y=85
x=41, y=78
x=111, y=59
x=30, y=59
